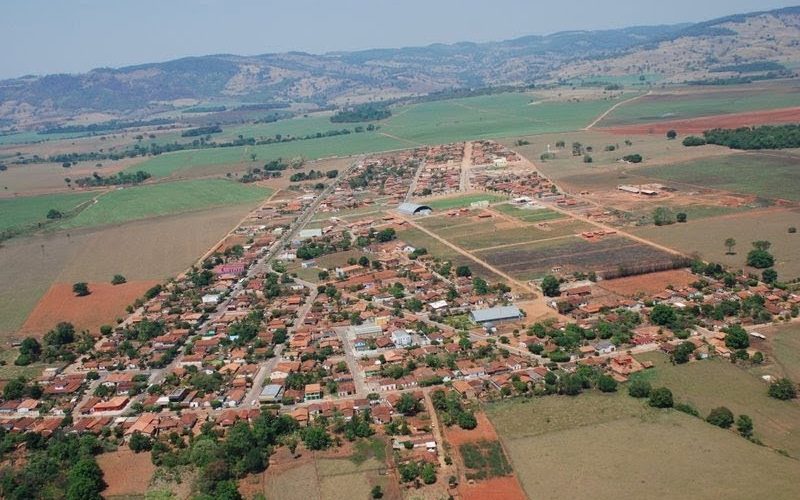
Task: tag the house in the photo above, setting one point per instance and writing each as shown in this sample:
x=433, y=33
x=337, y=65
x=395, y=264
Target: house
x=498, y=314
x=605, y=347
x=313, y=392
x=401, y=338
x=211, y=298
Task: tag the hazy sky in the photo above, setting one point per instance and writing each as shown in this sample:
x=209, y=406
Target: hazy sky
x=48, y=36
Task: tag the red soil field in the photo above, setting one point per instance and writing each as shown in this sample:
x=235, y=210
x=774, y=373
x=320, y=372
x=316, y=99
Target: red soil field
x=106, y=303
x=698, y=125
x=126, y=473
x=650, y=284
x=500, y=488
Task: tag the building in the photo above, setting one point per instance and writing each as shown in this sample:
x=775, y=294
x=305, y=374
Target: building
x=366, y=330
x=496, y=314
x=211, y=298
x=307, y=234
x=271, y=393
x=313, y=392
x=414, y=209
x=401, y=338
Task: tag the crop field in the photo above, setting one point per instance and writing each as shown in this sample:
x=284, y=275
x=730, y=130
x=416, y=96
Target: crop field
x=534, y=260
x=496, y=237
x=692, y=103
x=716, y=382
x=767, y=175
x=19, y=213
x=154, y=200
x=462, y=201
x=707, y=237
x=651, y=283
x=436, y=248
x=153, y=249
x=661, y=448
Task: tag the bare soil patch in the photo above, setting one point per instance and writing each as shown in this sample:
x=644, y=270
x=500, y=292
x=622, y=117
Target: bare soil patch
x=126, y=473
x=648, y=283
x=102, y=306
x=698, y=125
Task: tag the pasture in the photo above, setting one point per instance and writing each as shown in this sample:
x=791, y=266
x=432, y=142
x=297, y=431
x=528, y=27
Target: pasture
x=30, y=211
x=716, y=382
x=154, y=200
x=767, y=175
x=785, y=350
x=661, y=449
x=707, y=236
x=534, y=260
x=149, y=249
x=696, y=102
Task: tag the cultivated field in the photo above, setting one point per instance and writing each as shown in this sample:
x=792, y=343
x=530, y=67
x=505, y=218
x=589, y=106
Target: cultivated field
x=613, y=446
x=534, y=260
x=127, y=473
x=697, y=102
x=649, y=284
x=716, y=382
x=707, y=237
x=29, y=212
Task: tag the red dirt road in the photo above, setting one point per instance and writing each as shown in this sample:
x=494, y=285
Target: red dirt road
x=698, y=125
x=106, y=303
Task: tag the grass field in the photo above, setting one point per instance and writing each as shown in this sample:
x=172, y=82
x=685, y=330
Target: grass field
x=693, y=103
x=155, y=200
x=18, y=213
x=716, y=382
x=768, y=175
x=623, y=449
x=462, y=201
x=786, y=350
x=527, y=215
x=436, y=248
x=706, y=237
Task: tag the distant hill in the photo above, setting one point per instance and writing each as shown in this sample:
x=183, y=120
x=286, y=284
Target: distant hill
x=675, y=53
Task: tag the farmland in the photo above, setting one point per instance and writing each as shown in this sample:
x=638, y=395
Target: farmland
x=545, y=434
x=534, y=260
x=165, y=199
x=20, y=213
x=716, y=382
x=706, y=237
x=693, y=102
x=785, y=350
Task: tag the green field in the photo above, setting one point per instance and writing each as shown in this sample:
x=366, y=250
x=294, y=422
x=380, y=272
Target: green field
x=622, y=449
x=786, y=350
x=701, y=102
x=768, y=175
x=19, y=213
x=716, y=382
x=528, y=215
x=463, y=201
x=155, y=200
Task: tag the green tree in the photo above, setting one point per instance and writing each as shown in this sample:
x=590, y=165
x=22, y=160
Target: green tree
x=744, y=424
x=316, y=438
x=118, y=279
x=463, y=271
x=85, y=480
x=639, y=388
x=681, y=217
x=683, y=352
x=140, y=442
x=736, y=337
x=606, y=383
x=407, y=404
x=729, y=244
x=661, y=397
x=376, y=492
x=783, y=389
x=428, y=474
x=550, y=286
x=672, y=134
x=769, y=276
x=663, y=216
x=721, y=417
x=759, y=257
x=54, y=214
x=663, y=315
x=81, y=289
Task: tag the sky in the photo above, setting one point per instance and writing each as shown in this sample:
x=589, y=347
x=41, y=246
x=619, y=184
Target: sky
x=68, y=36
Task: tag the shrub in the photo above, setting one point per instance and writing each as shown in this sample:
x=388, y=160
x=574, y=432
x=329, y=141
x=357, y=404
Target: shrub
x=693, y=140
x=721, y=417
x=606, y=383
x=634, y=158
x=661, y=397
x=783, y=389
x=688, y=409
x=639, y=388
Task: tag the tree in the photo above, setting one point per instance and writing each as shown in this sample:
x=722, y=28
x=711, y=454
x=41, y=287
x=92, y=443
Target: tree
x=681, y=217
x=428, y=474
x=783, y=389
x=377, y=492
x=661, y=397
x=633, y=158
x=663, y=315
x=316, y=438
x=463, y=271
x=118, y=279
x=480, y=286
x=139, y=442
x=467, y=420
x=693, y=140
x=672, y=134
x=31, y=348
x=62, y=334
x=769, y=276
x=550, y=286
x=736, y=337
x=81, y=289
x=683, y=352
x=606, y=383
x=53, y=214
x=85, y=480
x=663, y=216
x=744, y=424
x=721, y=417
x=639, y=388
x=407, y=405
x=760, y=259
x=729, y=244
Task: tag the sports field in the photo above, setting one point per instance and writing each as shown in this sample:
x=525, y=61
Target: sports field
x=462, y=201
x=623, y=449
x=155, y=200
x=697, y=102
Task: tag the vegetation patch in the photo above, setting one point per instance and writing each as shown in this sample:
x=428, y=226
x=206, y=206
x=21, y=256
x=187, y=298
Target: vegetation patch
x=485, y=459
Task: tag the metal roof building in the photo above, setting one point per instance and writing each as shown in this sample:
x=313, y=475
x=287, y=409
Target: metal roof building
x=414, y=209
x=496, y=314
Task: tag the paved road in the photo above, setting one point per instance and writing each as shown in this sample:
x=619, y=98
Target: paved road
x=466, y=166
